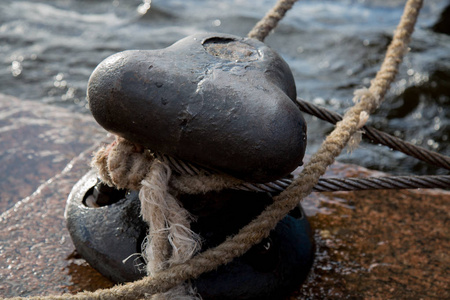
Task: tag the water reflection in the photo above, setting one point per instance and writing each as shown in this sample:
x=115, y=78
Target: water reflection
x=82, y=276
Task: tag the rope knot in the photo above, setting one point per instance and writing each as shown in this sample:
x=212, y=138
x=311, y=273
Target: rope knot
x=169, y=240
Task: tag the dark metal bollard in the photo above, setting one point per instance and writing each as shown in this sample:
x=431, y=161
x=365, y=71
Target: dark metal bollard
x=109, y=237
x=225, y=103
x=218, y=100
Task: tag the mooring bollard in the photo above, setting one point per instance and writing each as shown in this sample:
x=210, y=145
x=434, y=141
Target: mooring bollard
x=223, y=103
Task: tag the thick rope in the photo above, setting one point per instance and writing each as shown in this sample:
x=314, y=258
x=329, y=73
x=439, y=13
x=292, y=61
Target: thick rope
x=366, y=102
x=170, y=239
x=270, y=20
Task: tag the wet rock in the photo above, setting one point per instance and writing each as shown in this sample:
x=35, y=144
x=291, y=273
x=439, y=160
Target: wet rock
x=106, y=236
x=443, y=24
x=33, y=146
x=218, y=100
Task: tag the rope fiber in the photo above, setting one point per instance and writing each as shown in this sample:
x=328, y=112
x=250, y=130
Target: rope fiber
x=270, y=20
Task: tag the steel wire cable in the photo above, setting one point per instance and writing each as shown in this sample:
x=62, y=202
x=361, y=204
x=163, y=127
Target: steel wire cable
x=388, y=182
x=357, y=184
x=380, y=137
x=325, y=184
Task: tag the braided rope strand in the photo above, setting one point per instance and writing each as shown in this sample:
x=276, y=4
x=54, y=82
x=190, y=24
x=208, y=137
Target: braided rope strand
x=270, y=20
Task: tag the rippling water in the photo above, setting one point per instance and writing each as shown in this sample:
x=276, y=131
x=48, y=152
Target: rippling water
x=49, y=48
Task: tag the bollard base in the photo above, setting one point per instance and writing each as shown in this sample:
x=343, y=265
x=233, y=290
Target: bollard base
x=109, y=237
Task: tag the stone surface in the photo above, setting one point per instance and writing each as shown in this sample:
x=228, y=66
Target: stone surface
x=106, y=236
x=386, y=244
x=37, y=256
x=36, y=142
x=218, y=100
